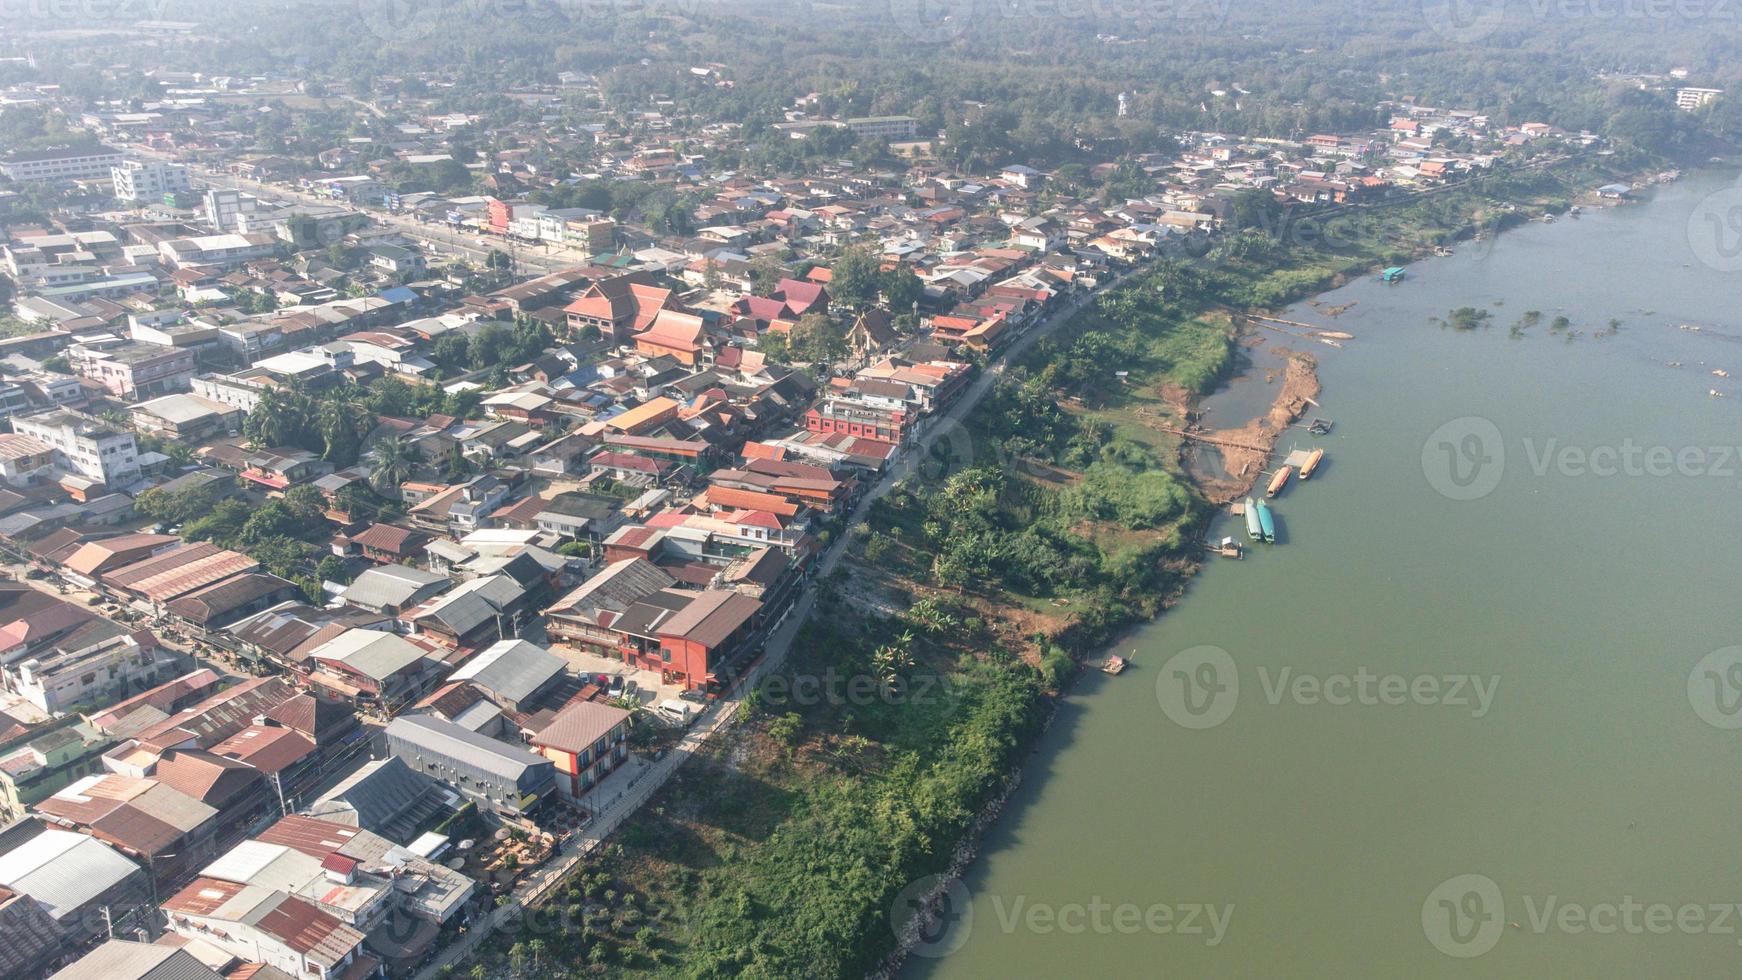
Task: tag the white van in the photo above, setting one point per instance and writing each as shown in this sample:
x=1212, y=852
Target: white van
x=674, y=712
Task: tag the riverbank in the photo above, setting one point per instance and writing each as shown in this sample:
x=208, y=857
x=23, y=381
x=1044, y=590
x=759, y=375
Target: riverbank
x=1322, y=821
x=975, y=593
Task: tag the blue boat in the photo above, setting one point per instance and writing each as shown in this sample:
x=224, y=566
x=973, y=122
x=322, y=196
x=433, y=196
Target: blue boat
x=1266, y=522
x=1254, y=526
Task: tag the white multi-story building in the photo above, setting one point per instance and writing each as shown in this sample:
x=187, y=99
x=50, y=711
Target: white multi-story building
x=885, y=127
x=1694, y=98
x=229, y=389
x=225, y=208
x=68, y=163
x=86, y=446
x=149, y=180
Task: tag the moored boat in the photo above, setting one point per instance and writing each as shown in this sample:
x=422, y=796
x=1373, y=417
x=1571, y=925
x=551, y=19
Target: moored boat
x=1279, y=481
x=1314, y=458
x=1254, y=525
x=1266, y=522
x=1114, y=664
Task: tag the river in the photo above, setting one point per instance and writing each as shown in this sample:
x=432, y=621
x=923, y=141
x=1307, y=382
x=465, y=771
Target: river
x=1516, y=556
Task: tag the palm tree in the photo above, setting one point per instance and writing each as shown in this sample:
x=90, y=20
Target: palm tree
x=337, y=421
x=268, y=423
x=392, y=464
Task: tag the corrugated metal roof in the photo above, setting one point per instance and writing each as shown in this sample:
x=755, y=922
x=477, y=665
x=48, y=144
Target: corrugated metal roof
x=442, y=738
x=63, y=870
x=579, y=725
x=512, y=669
x=372, y=653
x=119, y=959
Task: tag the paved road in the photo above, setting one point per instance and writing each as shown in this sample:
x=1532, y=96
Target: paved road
x=535, y=258
x=720, y=715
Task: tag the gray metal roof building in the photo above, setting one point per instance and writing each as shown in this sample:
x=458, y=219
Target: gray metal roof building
x=68, y=873
x=387, y=797
x=498, y=775
x=119, y=959
x=513, y=671
x=391, y=588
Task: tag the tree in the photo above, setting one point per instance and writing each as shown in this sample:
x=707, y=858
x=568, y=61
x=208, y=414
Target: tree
x=765, y=275
x=393, y=464
x=902, y=289
x=854, y=279
x=332, y=569
x=775, y=345
x=457, y=466
x=341, y=431
x=493, y=345
x=280, y=418
x=786, y=728
x=817, y=339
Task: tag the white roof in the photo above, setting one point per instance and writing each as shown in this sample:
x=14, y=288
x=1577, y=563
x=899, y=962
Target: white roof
x=372, y=653
x=499, y=536
x=427, y=844
x=63, y=870
x=244, y=862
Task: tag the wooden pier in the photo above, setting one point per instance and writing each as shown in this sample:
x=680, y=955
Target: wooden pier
x=1213, y=441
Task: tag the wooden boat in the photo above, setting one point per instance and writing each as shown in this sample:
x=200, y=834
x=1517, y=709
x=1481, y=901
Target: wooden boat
x=1279, y=481
x=1114, y=664
x=1307, y=469
x=1254, y=526
x=1266, y=522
